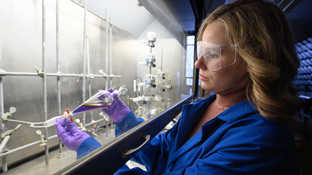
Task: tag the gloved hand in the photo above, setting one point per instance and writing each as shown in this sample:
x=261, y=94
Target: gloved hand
x=70, y=134
x=117, y=110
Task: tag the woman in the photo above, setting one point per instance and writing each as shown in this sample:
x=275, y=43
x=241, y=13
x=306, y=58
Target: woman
x=246, y=56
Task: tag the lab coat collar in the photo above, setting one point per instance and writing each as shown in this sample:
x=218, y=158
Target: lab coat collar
x=237, y=111
x=191, y=113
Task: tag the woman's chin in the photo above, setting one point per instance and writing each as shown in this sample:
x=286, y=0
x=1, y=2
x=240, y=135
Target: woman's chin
x=205, y=86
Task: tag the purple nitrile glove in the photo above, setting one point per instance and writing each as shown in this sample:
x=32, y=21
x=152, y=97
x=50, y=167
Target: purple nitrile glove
x=70, y=134
x=117, y=110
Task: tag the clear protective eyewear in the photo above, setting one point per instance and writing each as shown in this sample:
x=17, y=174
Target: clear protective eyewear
x=211, y=53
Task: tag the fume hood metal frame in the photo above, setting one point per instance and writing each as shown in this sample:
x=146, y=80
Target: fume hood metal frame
x=41, y=73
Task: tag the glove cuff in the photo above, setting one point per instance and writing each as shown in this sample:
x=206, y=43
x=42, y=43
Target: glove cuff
x=128, y=122
x=87, y=146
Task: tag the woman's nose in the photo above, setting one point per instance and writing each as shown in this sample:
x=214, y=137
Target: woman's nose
x=200, y=63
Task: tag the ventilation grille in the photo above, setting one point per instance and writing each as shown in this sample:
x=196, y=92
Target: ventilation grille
x=303, y=80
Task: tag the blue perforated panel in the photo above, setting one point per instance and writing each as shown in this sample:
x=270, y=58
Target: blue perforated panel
x=303, y=80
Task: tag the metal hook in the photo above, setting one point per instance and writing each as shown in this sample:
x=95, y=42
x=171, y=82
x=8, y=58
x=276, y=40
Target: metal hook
x=39, y=71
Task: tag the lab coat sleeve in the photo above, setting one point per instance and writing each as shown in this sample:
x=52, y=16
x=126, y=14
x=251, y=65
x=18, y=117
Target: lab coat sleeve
x=154, y=154
x=87, y=146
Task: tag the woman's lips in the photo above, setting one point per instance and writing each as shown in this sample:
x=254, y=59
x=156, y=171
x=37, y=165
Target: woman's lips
x=202, y=78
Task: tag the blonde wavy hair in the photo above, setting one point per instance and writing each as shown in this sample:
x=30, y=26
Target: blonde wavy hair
x=264, y=39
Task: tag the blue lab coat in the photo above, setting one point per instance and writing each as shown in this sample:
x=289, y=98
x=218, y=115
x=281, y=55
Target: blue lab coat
x=237, y=141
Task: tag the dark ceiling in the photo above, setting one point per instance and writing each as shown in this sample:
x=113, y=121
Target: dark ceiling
x=300, y=16
x=191, y=12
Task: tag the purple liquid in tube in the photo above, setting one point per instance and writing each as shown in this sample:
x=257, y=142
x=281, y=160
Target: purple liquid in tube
x=99, y=100
x=88, y=107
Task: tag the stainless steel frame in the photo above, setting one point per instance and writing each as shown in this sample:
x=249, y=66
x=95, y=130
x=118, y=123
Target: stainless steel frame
x=43, y=74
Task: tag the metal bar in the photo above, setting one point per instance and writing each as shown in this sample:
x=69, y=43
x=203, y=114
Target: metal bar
x=106, y=48
x=112, y=76
x=64, y=75
x=93, y=122
x=305, y=97
x=20, y=121
x=110, y=44
x=184, y=63
x=279, y=4
x=84, y=59
x=4, y=142
x=99, y=16
x=89, y=70
x=58, y=69
x=106, y=123
x=110, y=62
x=3, y=73
x=24, y=146
x=110, y=52
x=284, y=9
x=44, y=81
x=2, y=126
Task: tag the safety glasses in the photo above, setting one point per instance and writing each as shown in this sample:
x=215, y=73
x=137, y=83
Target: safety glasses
x=211, y=53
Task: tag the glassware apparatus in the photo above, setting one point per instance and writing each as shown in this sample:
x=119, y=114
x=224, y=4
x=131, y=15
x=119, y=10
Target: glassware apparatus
x=101, y=99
